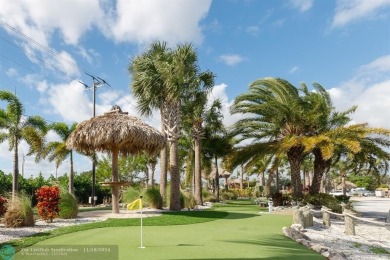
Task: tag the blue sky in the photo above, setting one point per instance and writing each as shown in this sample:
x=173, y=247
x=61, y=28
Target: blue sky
x=47, y=46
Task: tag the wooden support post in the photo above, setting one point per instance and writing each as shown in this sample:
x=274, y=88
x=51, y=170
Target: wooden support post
x=325, y=216
x=349, y=223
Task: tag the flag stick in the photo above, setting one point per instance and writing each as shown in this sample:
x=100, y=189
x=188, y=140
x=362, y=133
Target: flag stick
x=141, y=225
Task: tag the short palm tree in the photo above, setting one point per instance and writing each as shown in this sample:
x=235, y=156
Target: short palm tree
x=329, y=133
x=57, y=151
x=274, y=122
x=17, y=127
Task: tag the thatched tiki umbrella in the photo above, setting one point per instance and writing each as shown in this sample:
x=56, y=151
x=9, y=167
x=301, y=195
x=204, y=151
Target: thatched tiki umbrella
x=118, y=133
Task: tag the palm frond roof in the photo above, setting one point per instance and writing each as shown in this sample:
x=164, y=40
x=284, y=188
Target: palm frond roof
x=116, y=130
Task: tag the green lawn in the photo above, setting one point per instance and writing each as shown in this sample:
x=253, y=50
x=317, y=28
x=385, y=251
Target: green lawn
x=232, y=231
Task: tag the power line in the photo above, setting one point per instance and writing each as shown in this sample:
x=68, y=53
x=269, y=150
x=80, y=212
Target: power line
x=49, y=50
x=35, y=56
x=53, y=53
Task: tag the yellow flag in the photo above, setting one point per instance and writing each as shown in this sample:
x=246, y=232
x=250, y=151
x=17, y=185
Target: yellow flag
x=135, y=204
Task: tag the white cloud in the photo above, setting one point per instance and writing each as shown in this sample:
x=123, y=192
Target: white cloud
x=382, y=64
x=231, y=59
x=171, y=20
x=90, y=55
x=70, y=101
x=253, y=30
x=302, y=5
x=348, y=11
x=12, y=72
x=39, y=19
x=219, y=92
x=369, y=89
x=42, y=86
x=293, y=69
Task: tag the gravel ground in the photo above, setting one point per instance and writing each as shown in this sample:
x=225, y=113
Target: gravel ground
x=7, y=234
x=367, y=237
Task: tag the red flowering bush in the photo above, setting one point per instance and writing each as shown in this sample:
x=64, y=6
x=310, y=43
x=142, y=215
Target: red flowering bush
x=3, y=207
x=48, y=199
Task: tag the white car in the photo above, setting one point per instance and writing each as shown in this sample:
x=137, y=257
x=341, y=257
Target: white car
x=336, y=192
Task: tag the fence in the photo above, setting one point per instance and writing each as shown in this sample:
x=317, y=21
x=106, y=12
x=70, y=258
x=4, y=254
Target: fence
x=304, y=216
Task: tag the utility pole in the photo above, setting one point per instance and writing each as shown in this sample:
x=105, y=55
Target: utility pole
x=96, y=82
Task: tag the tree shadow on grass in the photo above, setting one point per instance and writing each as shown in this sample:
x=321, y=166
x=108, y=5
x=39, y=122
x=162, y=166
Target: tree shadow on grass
x=280, y=246
x=199, y=214
x=240, y=215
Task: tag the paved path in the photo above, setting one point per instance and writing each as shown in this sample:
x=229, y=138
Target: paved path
x=372, y=207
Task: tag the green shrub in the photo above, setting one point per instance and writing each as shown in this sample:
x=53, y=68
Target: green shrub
x=242, y=193
x=323, y=199
x=152, y=198
x=189, y=200
x=228, y=195
x=211, y=198
x=68, y=205
x=19, y=212
x=342, y=198
x=130, y=195
x=182, y=203
x=205, y=193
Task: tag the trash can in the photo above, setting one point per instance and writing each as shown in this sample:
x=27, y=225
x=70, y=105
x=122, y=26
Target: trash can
x=270, y=206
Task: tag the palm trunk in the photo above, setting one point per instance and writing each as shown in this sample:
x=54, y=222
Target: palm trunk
x=15, y=176
x=320, y=165
x=216, y=179
x=262, y=179
x=295, y=157
x=115, y=189
x=174, y=125
x=267, y=189
x=343, y=186
x=175, y=176
x=198, y=176
x=71, y=175
x=153, y=169
x=163, y=166
x=242, y=177
x=277, y=179
x=147, y=176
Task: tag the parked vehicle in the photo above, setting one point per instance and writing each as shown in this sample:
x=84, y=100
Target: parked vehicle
x=358, y=191
x=369, y=193
x=340, y=192
x=336, y=192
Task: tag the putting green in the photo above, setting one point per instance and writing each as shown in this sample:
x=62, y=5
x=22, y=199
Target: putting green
x=241, y=235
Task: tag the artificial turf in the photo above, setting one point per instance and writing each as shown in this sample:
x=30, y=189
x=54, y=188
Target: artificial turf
x=237, y=232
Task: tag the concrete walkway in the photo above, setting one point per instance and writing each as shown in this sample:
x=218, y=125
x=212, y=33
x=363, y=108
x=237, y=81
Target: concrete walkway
x=372, y=207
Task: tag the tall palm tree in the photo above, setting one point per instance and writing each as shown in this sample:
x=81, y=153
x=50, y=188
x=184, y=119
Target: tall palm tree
x=161, y=79
x=149, y=87
x=217, y=142
x=274, y=120
x=57, y=151
x=193, y=111
x=17, y=127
